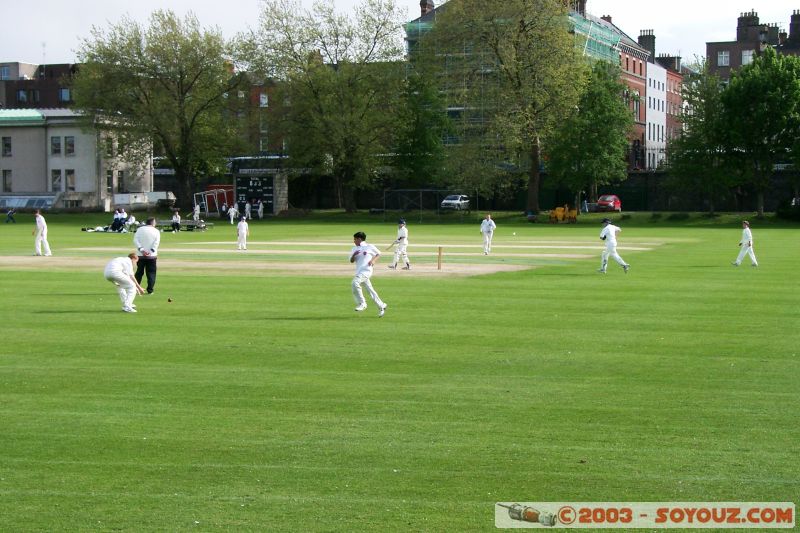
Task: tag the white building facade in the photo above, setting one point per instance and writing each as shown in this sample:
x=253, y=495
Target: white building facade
x=48, y=160
x=656, y=116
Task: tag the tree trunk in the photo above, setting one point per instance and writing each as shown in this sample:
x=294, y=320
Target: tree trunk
x=185, y=192
x=760, y=203
x=533, y=179
x=349, y=197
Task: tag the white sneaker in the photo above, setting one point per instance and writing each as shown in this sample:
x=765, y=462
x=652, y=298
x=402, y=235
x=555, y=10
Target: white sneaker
x=361, y=307
x=392, y=267
x=625, y=268
x=601, y=270
x=407, y=267
x=382, y=311
x=129, y=309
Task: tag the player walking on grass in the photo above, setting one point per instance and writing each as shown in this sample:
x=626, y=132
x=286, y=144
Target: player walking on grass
x=747, y=246
x=402, y=244
x=40, y=236
x=242, y=232
x=609, y=235
x=364, y=256
x=487, y=229
x=119, y=271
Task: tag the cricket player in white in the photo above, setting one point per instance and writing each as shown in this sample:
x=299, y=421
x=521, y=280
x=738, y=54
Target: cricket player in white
x=364, y=256
x=609, y=235
x=487, y=228
x=248, y=209
x=747, y=246
x=40, y=236
x=233, y=212
x=402, y=243
x=242, y=232
x=119, y=271
x=196, y=213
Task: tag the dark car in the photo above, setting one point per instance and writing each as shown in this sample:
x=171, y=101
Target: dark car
x=609, y=202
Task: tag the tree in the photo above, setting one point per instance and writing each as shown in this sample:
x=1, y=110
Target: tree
x=165, y=84
x=514, y=70
x=762, y=115
x=589, y=146
x=419, y=153
x=341, y=83
x=698, y=159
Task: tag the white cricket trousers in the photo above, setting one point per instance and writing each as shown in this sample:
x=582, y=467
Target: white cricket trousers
x=400, y=255
x=487, y=241
x=125, y=288
x=746, y=250
x=41, y=242
x=242, y=242
x=610, y=251
x=358, y=295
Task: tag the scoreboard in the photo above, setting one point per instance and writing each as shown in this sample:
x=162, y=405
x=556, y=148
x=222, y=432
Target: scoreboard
x=252, y=188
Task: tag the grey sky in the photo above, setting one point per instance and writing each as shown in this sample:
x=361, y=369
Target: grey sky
x=681, y=26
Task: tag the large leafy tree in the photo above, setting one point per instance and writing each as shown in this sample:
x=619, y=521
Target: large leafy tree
x=164, y=84
x=762, y=116
x=698, y=158
x=341, y=83
x=513, y=69
x=419, y=148
x=588, y=148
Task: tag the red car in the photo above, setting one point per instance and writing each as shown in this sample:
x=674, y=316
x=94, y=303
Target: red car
x=609, y=202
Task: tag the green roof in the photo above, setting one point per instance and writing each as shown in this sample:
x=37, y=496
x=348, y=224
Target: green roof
x=20, y=115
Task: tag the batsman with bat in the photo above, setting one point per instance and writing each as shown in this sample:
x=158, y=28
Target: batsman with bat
x=401, y=243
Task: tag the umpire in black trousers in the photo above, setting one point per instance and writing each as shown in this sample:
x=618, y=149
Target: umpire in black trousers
x=146, y=239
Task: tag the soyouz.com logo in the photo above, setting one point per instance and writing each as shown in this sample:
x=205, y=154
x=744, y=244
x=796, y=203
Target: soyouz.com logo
x=655, y=515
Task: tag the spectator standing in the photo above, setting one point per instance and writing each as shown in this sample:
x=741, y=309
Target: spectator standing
x=10, y=216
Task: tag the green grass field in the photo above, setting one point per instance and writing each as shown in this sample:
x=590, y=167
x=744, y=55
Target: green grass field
x=258, y=400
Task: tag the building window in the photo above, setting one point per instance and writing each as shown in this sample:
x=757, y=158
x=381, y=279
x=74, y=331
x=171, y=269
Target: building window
x=73, y=203
x=109, y=147
x=110, y=181
x=70, y=173
x=5, y=73
x=6, y=181
x=120, y=181
x=69, y=145
x=22, y=96
x=56, y=185
x=55, y=145
x=6, y=146
x=263, y=100
x=723, y=58
x=63, y=94
x=747, y=57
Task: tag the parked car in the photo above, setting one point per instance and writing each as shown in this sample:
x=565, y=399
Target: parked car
x=458, y=202
x=609, y=202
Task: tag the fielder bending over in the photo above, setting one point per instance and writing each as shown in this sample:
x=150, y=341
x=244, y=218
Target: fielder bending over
x=402, y=243
x=364, y=256
x=119, y=271
x=609, y=235
x=747, y=246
